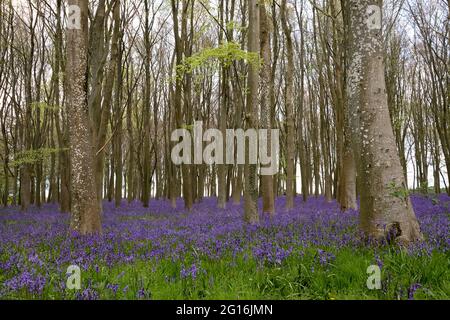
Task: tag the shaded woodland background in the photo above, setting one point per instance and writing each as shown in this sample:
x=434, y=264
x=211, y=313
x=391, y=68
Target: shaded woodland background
x=137, y=95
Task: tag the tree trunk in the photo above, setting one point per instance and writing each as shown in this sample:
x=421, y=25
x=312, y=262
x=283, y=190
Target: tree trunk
x=386, y=209
x=118, y=115
x=146, y=113
x=289, y=105
x=85, y=215
x=268, y=198
x=250, y=170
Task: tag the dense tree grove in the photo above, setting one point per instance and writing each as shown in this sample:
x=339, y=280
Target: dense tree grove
x=358, y=90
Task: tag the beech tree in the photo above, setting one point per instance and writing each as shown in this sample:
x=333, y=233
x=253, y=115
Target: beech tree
x=289, y=108
x=85, y=211
x=385, y=207
x=250, y=170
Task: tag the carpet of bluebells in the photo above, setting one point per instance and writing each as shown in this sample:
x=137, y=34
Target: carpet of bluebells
x=311, y=252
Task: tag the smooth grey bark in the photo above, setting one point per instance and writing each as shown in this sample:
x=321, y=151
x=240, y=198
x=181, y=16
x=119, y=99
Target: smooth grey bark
x=85, y=212
x=289, y=106
x=386, y=210
x=250, y=170
x=268, y=198
x=346, y=194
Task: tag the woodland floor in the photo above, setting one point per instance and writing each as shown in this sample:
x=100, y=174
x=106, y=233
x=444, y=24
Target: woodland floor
x=311, y=252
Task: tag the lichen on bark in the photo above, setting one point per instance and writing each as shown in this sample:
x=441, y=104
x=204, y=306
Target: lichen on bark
x=382, y=214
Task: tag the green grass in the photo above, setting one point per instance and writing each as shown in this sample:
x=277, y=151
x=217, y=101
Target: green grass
x=300, y=276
